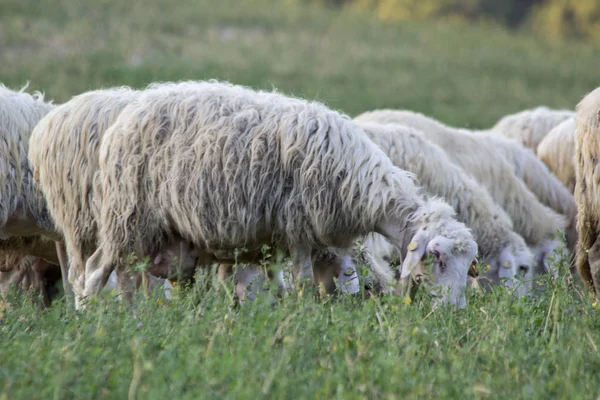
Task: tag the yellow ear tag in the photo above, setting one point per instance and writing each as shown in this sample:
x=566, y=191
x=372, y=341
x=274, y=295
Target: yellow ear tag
x=413, y=246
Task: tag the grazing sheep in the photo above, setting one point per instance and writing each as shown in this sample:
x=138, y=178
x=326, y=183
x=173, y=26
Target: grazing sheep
x=64, y=155
x=538, y=178
x=24, y=217
x=529, y=127
x=500, y=247
x=71, y=134
x=226, y=167
x=536, y=223
x=587, y=188
x=443, y=238
x=557, y=151
x=22, y=209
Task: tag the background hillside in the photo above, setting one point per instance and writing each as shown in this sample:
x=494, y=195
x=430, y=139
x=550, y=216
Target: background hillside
x=465, y=74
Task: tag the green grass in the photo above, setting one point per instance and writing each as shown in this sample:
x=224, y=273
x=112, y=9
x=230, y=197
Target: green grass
x=197, y=346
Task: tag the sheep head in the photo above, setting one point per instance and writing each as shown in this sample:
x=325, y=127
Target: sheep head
x=452, y=248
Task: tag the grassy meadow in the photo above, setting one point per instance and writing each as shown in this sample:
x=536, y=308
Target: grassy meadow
x=199, y=345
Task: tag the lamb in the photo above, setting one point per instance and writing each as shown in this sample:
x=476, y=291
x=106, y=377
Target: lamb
x=502, y=249
x=225, y=167
x=587, y=150
x=536, y=223
x=557, y=151
x=529, y=127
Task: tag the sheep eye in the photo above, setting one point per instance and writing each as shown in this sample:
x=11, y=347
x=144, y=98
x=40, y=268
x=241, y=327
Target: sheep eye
x=523, y=269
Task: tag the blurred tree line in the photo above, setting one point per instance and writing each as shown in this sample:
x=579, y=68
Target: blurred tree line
x=575, y=18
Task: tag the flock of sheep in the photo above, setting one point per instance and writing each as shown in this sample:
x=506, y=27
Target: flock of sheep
x=187, y=175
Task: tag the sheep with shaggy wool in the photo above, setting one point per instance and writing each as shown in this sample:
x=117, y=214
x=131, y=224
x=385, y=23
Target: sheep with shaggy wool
x=23, y=208
x=64, y=154
x=226, y=167
x=499, y=246
x=25, y=224
x=535, y=174
x=529, y=127
x=587, y=188
x=526, y=166
x=557, y=151
x=535, y=222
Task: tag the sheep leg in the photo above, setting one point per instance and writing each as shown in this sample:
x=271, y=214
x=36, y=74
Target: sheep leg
x=224, y=271
x=64, y=270
x=126, y=286
x=96, y=277
x=277, y=275
x=302, y=269
x=39, y=285
x=76, y=270
x=243, y=277
x=594, y=260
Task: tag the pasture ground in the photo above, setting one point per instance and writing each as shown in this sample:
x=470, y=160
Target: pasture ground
x=198, y=345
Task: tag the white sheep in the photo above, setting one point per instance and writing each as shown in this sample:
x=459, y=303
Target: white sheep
x=536, y=223
x=587, y=188
x=226, y=167
x=557, y=151
x=529, y=127
x=64, y=154
x=25, y=224
x=535, y=174
x=499, y=246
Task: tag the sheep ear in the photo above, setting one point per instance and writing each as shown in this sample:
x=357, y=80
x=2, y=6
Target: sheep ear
x=416, y=251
